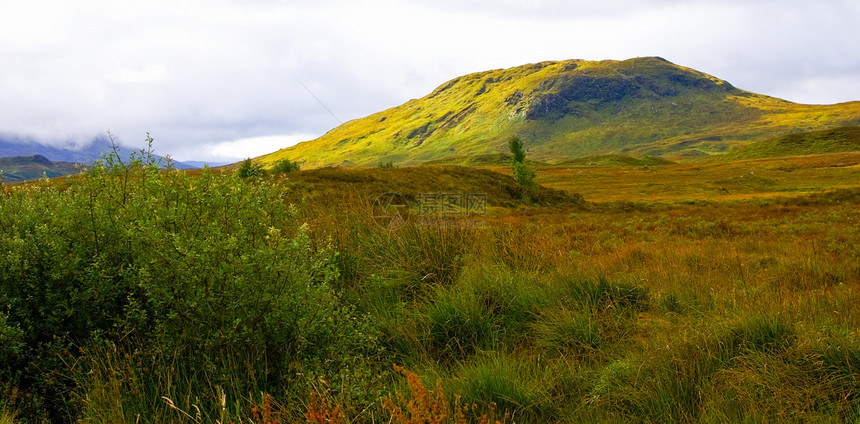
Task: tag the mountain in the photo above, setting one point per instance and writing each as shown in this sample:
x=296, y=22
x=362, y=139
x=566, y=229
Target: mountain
x=566, y=110
x=22, y=168
x=202, y=163
x=12, y=146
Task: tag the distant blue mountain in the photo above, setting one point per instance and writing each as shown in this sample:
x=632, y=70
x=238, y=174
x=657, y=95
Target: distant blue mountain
x=11, y=146
x=201, y=163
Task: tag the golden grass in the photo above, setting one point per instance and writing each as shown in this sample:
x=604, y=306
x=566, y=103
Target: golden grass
x=6, y=417
x=710, y=181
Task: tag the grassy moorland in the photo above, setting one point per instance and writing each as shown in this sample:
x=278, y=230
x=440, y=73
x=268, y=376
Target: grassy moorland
x=709, y=292
x=712, y=181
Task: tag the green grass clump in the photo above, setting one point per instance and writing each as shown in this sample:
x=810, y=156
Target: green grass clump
x=671, y=387
x=564, y=330
x=488, y=309
x=459, y=324
x=6, y=417
x=507, y=383
x=761, y=333
x=620, y=296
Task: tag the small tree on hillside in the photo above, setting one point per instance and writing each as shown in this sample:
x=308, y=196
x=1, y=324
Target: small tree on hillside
x=284, y=166
x=523, y=175
x=250, y=169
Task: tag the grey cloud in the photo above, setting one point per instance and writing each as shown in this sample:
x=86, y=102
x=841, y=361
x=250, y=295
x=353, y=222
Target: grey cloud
x=200, y=73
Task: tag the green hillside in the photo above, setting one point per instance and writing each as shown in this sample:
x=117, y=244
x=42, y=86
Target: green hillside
x=22, y=168
x=836, y=140
x=565, y=110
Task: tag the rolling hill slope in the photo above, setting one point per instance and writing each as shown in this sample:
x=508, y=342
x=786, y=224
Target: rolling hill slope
x=22, y=168
x=835, y=140
x=565, y=110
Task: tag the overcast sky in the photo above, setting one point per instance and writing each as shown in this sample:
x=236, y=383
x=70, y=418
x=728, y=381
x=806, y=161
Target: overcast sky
x=224, y=79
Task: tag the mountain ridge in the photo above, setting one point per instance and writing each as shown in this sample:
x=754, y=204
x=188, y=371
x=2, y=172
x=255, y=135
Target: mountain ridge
x=22, y=168
x=565, y=110
x=13, y=147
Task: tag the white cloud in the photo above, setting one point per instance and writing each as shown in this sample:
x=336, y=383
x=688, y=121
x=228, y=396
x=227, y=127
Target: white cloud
x=808, y=90
x=236, y=150
x=149, y=73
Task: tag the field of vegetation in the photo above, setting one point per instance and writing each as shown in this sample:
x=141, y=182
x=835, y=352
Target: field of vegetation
x=708, y=292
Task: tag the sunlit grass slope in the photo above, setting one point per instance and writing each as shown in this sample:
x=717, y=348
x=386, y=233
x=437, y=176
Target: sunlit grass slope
x=836, y=140
x=711, y=181
x=568, y=109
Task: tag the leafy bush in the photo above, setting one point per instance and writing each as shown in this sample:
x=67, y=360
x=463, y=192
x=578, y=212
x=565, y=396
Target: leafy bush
x=249, y=169
x=213, y=272
x=285, y=166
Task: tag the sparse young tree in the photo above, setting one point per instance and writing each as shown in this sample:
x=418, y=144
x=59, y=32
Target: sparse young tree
x=523, y=175
x=517, y=150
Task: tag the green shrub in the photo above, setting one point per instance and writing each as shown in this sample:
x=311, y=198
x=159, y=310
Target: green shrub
x=249, y=169
x=518, y=153
x=216, y=276
x=285, y=166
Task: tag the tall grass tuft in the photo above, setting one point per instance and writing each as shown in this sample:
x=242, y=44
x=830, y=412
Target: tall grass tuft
x=503, y=382
x=568, y=331
x=490, y=308
x=603, y=294
x=6, y=416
